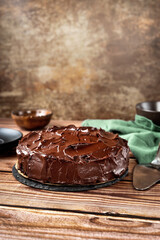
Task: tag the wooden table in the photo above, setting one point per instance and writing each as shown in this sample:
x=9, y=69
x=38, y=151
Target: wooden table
x=115, y=212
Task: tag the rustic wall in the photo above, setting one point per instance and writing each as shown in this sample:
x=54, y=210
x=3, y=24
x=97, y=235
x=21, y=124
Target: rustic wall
x=80, y=58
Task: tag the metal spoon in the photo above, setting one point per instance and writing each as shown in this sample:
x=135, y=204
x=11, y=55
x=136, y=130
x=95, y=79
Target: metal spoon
x=145, y=176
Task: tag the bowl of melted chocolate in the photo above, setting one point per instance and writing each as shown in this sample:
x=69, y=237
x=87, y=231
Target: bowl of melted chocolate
x=32, y=119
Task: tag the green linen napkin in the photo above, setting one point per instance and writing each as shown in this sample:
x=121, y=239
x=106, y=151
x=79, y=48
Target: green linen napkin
x=142, y=134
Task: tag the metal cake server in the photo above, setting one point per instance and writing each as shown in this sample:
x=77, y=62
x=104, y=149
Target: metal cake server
x=145, y=176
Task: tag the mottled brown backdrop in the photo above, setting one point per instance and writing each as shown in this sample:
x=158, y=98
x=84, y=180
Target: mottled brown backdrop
x=80, y=58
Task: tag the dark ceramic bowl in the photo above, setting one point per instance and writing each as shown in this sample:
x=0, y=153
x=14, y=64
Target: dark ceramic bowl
x=32, y=119
x=149, y=110
x=9, y=139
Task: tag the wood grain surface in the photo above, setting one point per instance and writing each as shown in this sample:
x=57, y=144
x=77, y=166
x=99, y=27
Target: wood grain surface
x=115, y=212
x=43, y=224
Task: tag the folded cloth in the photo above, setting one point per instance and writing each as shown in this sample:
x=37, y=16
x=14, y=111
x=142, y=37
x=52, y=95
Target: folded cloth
x=142, y=134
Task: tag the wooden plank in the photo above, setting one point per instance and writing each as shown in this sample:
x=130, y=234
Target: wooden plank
x=9, y=123
x=21, y=223
x=119, y=198
x=124, y=207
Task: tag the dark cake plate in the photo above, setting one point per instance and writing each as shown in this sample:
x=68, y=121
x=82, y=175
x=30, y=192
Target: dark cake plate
x=62, y=188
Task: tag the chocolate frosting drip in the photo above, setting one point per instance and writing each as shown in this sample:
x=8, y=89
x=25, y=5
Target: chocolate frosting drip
x=71, y=155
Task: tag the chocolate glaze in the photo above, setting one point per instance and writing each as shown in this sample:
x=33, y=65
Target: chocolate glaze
x=71, y=155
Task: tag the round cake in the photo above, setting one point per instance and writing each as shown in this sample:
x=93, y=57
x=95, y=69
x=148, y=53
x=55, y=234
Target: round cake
x=72, y=156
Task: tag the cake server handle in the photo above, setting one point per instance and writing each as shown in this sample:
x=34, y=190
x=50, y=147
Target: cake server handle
x=156, y=162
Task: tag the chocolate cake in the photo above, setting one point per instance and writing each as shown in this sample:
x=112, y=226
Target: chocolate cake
x=72, y=156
